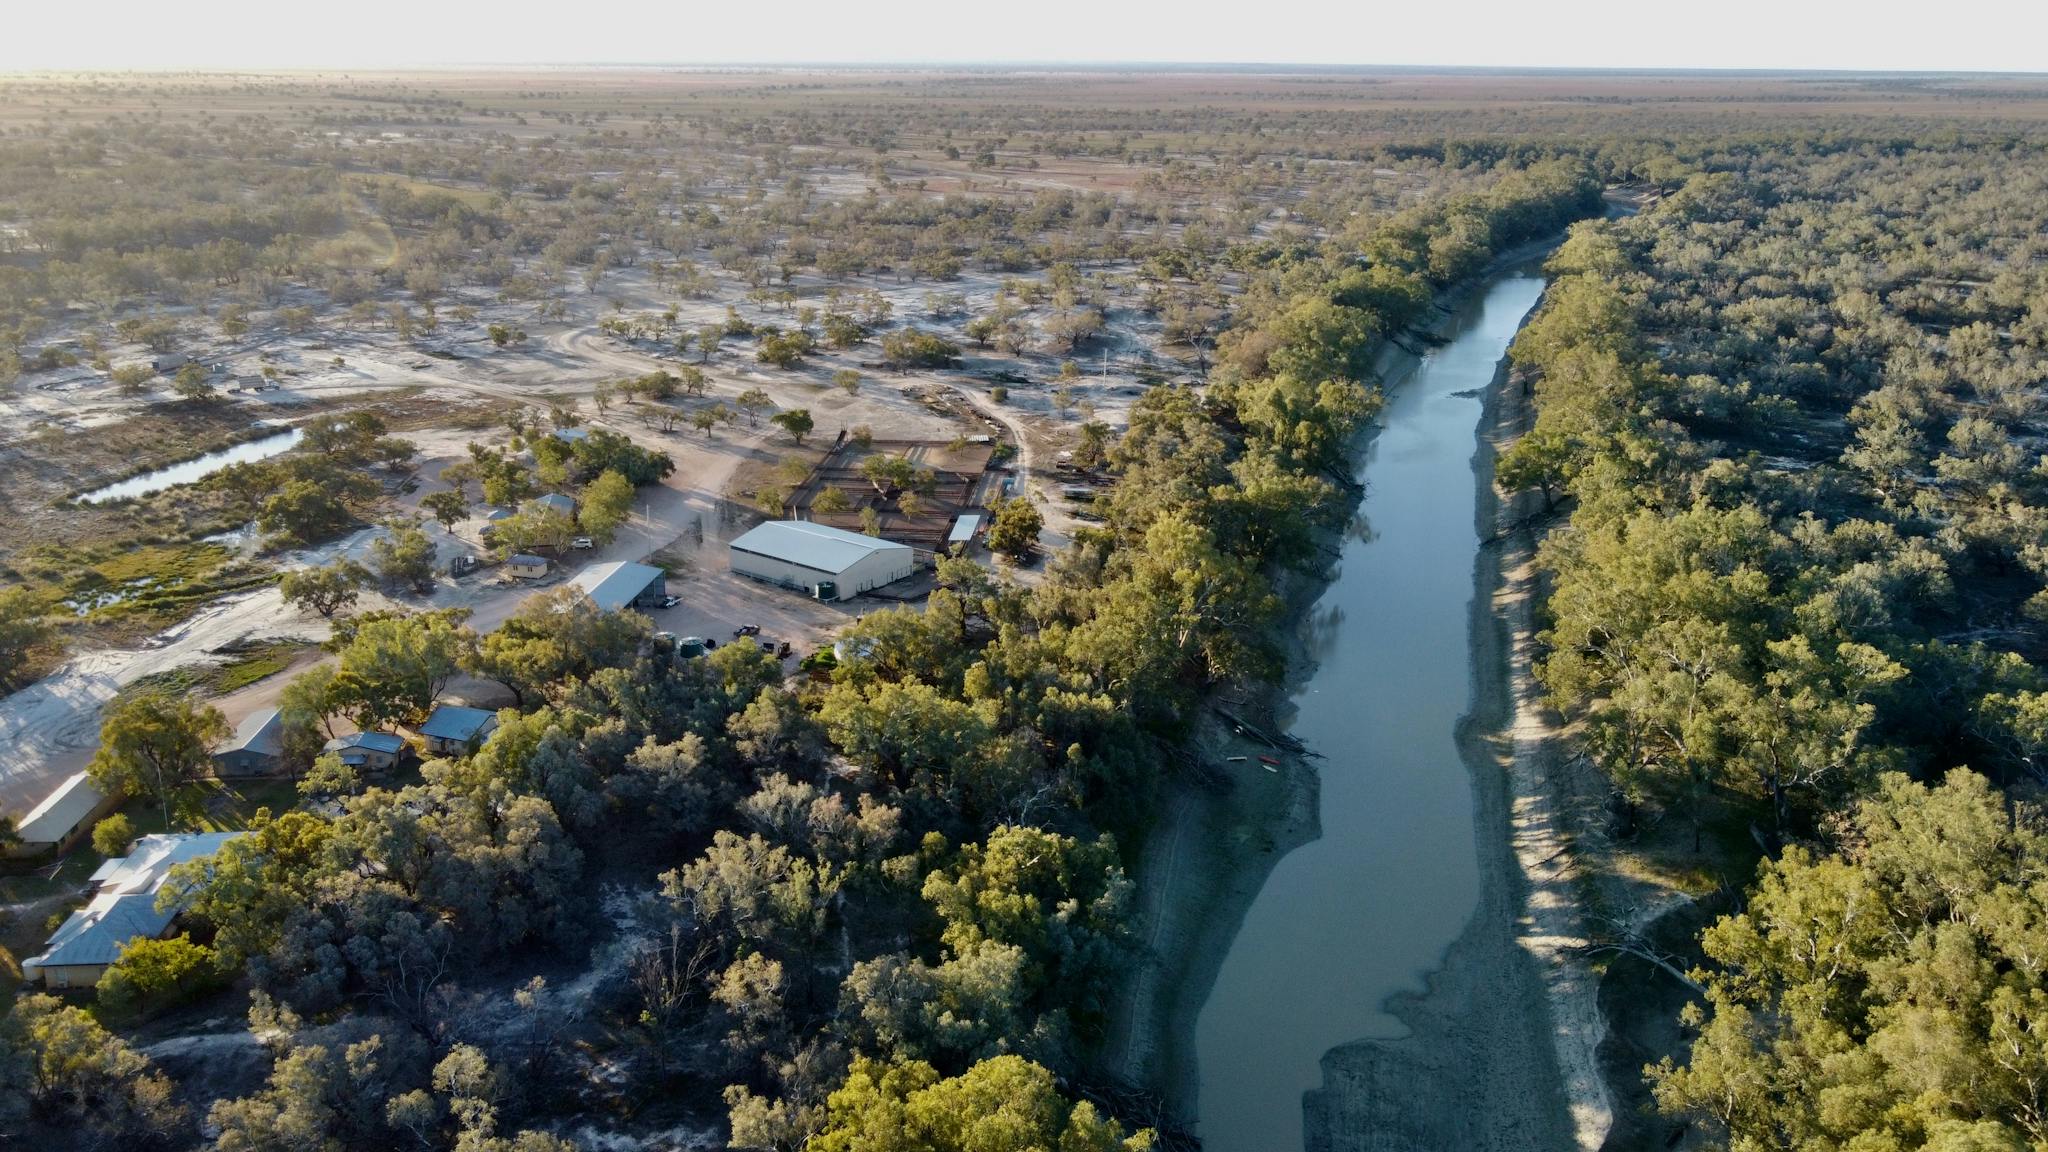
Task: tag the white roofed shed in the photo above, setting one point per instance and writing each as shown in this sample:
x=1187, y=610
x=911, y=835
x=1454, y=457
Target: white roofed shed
x=63, y=817
x=800, y=554
x=623, y=585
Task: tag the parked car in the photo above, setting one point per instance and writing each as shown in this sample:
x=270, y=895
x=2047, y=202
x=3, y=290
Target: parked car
x=582, y=543
x=671, y=601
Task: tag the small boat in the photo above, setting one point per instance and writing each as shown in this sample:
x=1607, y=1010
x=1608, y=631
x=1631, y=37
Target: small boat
x=1270, y=768
x=1238, y=759
x=1268, y=761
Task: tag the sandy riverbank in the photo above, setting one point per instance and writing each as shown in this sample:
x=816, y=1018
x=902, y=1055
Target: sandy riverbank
x=1480, y=1068
x=1532, y=753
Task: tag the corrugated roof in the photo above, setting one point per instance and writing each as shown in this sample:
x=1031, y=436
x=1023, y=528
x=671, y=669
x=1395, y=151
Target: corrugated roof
x=375, y=741
x=528, y=559
x=96, y=933
x=558, y=502
x=261, y=732
x=963, y=529
x=814, y=546
x=125, y=907
x=455, y=722
x=60, y=812
x=613, y=586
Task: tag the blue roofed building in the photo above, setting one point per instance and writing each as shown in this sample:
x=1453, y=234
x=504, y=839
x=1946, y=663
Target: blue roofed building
x=453, y=730
x=367, y=751
x=557, y=502
x=623, y=585
x=123, y=909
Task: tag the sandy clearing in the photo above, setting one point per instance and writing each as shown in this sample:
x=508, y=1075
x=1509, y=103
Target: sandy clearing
x=49, y=729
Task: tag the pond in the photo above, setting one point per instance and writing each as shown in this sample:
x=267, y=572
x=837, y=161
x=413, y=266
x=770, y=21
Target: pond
x=195, y=469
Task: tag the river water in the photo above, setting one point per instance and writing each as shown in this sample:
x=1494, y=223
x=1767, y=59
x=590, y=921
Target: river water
x=1368, y=909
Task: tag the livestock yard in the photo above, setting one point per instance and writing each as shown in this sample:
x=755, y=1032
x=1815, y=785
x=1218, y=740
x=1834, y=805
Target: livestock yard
x=944, y=480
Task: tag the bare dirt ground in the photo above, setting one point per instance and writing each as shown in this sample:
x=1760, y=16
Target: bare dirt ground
x=442, y=402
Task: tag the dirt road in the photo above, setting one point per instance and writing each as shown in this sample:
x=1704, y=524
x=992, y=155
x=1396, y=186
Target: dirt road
x=50, y=729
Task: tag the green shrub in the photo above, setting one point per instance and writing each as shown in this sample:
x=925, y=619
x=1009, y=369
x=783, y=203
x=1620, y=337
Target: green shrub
x=154, y=976
x=113, y=835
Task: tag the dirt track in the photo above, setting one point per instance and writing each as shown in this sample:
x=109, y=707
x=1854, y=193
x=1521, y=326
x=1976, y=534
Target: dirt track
x=49, y=730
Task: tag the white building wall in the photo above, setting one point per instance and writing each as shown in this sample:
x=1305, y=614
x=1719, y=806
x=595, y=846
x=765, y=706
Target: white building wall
x=878, y=568
x=872, y=571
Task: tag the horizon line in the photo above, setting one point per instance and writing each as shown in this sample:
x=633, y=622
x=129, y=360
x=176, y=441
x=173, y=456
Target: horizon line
x=1246, y=66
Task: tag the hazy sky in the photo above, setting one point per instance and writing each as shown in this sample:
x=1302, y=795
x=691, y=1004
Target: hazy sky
x=1997, y=35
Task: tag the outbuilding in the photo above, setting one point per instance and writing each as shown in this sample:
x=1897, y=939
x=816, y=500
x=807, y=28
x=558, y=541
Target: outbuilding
x=367, y=751
x=557, y=502
x=64, y=817
x=256, y=749
x=829, y=563
x=124, y=909
x=526, y=566
x=453, y=730
x=620, y=584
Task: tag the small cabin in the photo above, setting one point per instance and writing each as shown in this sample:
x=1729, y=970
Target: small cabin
x=368, y=751
x=453, y=730
x=64, y=817
x=256, y=748
x=555, y=501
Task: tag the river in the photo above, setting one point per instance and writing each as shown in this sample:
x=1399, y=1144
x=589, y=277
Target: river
x=1368, y=909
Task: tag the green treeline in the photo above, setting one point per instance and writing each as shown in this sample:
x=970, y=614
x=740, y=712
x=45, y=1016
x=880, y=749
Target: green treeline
x=893, y=908
x=1793, y=412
